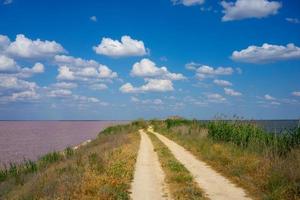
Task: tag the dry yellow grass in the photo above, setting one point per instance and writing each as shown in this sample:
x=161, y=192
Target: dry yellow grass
x=103, y=169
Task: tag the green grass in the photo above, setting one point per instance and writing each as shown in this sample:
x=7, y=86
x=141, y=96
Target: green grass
x=267, y=166
x=180, y=181
x=102, y=169
x=249, y=135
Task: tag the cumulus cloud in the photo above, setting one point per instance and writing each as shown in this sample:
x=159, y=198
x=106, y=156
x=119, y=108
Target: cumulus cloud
x=13, y=89
x=71, y=68
x=204, y=71
x=126, y=47
x=296, y=93
x=37, y=68
x=269, y=97
x=64, y=73
x=188, y=2
x=15, y=84
x=211, y=71
x=242, y=9
x=24, y=96
x=7, y=64
x=147, y=68
x=267, y=53
x=192, y=66
x=4, y=42
x=232, y=92
x=24, y=47
x=222, y=83
x=152, y=85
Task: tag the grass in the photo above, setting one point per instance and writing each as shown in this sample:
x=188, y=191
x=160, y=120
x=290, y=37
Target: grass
x=180, y=181
x=266, y=168
x=102, y=169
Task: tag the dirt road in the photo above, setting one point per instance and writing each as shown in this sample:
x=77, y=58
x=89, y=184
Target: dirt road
x=148, y=183
x=214, y=184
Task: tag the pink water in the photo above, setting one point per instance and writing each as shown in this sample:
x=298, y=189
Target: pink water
x=31, y=139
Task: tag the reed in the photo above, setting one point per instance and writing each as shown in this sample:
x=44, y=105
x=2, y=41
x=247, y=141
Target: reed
x=266, y=164
x=249, y=135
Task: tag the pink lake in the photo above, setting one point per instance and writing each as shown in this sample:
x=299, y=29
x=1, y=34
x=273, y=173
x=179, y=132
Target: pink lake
x=31, y=139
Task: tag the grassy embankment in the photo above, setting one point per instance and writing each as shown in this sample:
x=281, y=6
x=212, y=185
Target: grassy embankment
x=178, y=178
x=102, y=169
x=267, y=165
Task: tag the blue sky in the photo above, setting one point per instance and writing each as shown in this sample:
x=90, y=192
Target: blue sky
x=144, y=59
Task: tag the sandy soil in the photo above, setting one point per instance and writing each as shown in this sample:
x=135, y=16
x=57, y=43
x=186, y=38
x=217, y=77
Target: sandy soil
x=148, y=183
x=211, y=182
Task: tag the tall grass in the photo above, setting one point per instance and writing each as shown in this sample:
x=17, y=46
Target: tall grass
x=266, y=164
x=249, y=135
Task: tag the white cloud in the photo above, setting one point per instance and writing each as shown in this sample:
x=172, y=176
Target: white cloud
x=65, y=85
x=135, y=99
x=192, y=66
x=147, y=101
x=296, y=93
x=205, y=71
x=88, y=72
x=222, y=83
x=74, y=62
x=13, y=89
x=188, y=2
x=60, y=93
x=26, y=48
x=7, y=64
x=15, y=84
x=275, y=103
x=64, y=73
x=242, y=9
x=93, y=18
x=24, y=96
x=84, y=100
x=232, y=92
x=215, y=97
x=147, y=68
x=269, y=97
x=152, y=85
x=37, y=68
x=71, y=68
x=126, y=47
x=98, y=86
x=293, y=20
x=4, y=42
x=267, y=53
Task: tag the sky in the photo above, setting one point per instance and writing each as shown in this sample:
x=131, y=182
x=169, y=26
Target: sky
x=123, y=60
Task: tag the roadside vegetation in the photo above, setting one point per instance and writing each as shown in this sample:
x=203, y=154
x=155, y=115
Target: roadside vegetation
x=102, y=169
x=265, y=164
x=178, y=178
